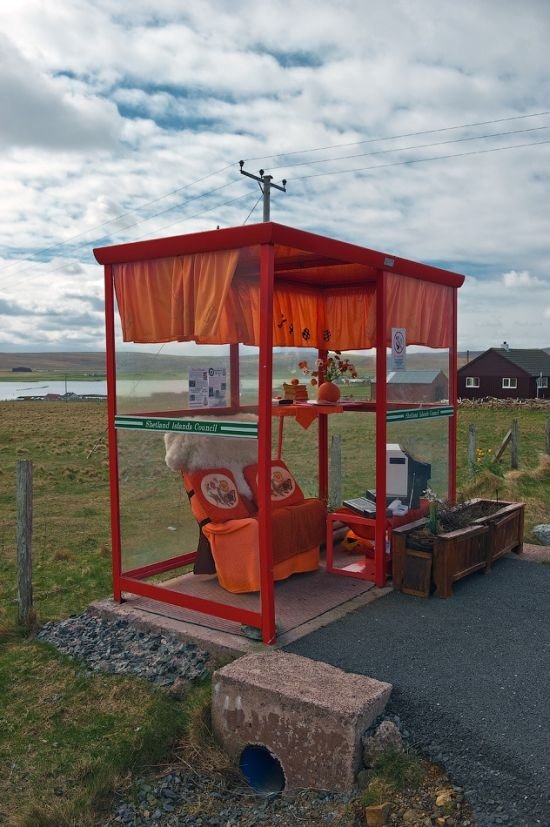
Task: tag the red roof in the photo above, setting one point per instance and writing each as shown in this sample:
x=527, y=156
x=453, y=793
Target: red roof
x=300, y=255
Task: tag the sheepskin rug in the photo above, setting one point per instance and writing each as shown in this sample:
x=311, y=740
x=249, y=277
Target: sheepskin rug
x=197, y=452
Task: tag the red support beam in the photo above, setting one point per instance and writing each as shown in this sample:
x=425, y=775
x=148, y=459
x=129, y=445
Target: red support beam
x=322, y=440
x=381, y=410
x=234, y=378
x=267, y=592
x=453, y=400
x=162, y=566
x=116, y=554
x=186, y=601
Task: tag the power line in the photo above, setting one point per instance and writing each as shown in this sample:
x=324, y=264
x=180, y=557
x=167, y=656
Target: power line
x=195, y=215
x=404, y=135
x=254, y=207
x=109, y=235
x=27, y=272
x=53, y=247
x=58, y=245
x=415, y=146
x=421, y=160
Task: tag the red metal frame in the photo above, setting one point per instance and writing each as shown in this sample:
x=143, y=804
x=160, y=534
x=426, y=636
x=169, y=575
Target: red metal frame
x=381, y=412
x=315, y=260
x=116, y=554
x=453, y=399
x=264, y=443
x=186, y=601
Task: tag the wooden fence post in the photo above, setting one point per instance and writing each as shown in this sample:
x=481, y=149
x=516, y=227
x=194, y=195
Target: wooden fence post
x=472, y=448
x=23, y=502
x=515, y=443
x=335, y=485
x=548, y=435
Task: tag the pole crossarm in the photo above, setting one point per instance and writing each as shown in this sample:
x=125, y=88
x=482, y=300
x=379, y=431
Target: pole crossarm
x=266, y=185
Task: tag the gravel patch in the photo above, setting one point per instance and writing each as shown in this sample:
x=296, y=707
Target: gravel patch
x=470, y=678
x=185, y=798
x=118, y=647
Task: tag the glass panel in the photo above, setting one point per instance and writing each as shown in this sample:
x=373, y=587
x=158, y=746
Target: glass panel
x=352, y=436
x=150, y=380
x=163, y=394
x=156, y=522
x=417, y=390
x=416, y=460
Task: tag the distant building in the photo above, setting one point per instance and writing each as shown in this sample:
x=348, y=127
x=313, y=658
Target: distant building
x=21, y=370
x=414, y=386
x=506, y=373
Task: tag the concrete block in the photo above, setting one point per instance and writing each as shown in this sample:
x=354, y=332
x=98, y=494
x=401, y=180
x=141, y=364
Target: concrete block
x=309, y=715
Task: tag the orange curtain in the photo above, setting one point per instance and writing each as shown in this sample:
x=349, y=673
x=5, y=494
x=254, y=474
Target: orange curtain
x=199, y=298
x=349, y=318
x=174, y=299
x=424, y=308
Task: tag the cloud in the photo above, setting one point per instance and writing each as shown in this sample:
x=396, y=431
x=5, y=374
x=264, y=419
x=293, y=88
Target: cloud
x=38, y=111
x=515, y=279
x=115, y=110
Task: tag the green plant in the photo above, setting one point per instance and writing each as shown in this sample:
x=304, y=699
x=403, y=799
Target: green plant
x=399, y=770
x=485, y=461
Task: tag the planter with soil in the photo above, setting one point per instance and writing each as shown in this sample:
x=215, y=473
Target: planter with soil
x=470, y=537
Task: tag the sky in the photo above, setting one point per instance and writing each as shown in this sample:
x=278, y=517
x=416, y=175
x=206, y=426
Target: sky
x=421, y=129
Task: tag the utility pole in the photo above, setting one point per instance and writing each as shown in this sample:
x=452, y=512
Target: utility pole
x=266, y=184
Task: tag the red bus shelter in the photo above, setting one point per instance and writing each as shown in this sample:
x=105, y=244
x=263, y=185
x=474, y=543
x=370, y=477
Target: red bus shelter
x=252, y=299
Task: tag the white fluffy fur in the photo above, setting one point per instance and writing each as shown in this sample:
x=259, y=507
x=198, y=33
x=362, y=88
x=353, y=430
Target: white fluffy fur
x=197, y=452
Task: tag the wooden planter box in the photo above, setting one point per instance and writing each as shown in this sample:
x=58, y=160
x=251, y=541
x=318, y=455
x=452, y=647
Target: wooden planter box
x=456, y=553
x=505, y=527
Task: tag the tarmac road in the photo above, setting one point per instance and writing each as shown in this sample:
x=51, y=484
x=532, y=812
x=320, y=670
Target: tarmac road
x=471, y=679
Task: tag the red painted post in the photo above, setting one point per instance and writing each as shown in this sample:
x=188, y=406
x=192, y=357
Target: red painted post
x=234, y=377
x=267, y=266
x=381, y=410
x=116, y=554
x=322, y=440
x=453, y=397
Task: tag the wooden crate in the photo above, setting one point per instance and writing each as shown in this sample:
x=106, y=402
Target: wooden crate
x=411, y=568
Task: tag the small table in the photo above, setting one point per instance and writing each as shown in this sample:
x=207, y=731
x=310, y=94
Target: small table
x=364, y=568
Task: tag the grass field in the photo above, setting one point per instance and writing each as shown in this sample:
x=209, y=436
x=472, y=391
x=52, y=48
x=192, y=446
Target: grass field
x=67, y=738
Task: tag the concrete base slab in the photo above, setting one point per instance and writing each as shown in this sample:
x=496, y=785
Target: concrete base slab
x=308, y=714
x=303, y=604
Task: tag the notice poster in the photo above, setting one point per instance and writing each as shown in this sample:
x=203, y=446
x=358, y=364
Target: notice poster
x=217, y=387
x=198, y=388
x=399, y=348
x=207, y=387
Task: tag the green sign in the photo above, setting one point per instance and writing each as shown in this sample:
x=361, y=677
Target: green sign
x=419, y=413
x=208, y=427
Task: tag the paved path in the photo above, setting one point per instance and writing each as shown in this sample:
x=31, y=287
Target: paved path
x=471, y=678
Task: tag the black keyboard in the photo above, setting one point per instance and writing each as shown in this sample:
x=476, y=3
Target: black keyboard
x=362, y=506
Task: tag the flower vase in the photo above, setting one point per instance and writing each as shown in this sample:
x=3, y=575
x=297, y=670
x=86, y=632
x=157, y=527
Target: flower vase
x=328, y=392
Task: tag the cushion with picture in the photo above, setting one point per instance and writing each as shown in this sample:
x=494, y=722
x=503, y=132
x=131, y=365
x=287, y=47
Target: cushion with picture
x=284, y=488
x=216, y=491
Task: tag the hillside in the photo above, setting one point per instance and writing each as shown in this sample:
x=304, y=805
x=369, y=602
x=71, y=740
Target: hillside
x=83, y=361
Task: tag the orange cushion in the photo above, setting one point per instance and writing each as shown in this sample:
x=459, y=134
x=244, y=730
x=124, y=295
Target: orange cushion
x=284, y=488
x=217, y=494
